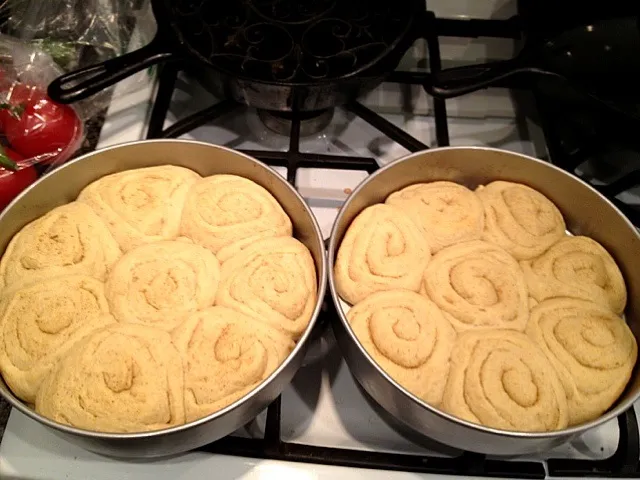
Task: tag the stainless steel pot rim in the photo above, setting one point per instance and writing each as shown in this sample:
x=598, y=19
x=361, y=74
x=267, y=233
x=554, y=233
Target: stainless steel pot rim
x=19, y=405
x=609, y=415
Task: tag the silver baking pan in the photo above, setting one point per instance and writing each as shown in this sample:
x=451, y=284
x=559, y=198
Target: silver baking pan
x=586, y=212
x=63, y=186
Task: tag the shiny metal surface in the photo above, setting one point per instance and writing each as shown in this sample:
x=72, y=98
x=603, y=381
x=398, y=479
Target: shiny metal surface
x=63, y=186
x=310, y=123
x=586, y=213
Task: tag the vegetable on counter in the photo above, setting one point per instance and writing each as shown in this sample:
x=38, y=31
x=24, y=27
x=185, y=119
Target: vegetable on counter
x=36, y=126
x=33, y=130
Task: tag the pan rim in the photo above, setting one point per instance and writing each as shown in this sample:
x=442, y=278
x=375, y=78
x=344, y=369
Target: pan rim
x=301, y=344
x=611, y=414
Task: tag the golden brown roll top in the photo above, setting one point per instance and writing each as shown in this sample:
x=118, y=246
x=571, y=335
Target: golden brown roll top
x=501, y=379
x=158, y=284
x=593, y=351
x=519, y=219
x=142, y=205
x=526, y=312
x=226, y=354
x=40, y=322
x=223, y=209
x=273, y=281
x=577, y=267
x=449, y=213
x=123, y=378
x=478, y=286
x=383, y=249
x=69, y=240
x=407, y=335
x=92, y=292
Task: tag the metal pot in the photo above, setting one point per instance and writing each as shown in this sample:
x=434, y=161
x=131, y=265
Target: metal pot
x=307, y=56
x=586, y=213
x=63, y=186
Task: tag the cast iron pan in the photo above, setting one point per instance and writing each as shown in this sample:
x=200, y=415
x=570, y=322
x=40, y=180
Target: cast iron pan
x=597, y=62
x=274, y=54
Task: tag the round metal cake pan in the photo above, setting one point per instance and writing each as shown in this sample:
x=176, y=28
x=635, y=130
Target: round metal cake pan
x=63, y=186
x=586, y=212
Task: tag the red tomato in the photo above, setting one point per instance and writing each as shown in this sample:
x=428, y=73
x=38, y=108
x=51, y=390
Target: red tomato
x=36, y=126
x=14, y=96
x=12, y=183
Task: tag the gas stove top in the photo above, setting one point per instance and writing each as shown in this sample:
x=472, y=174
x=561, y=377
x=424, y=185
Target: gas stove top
x=324, y=426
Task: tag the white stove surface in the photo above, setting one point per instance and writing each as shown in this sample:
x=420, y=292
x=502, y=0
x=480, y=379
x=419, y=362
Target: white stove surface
x=323, y=406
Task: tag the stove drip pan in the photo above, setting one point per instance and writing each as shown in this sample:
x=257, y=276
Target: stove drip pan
x=310, y=122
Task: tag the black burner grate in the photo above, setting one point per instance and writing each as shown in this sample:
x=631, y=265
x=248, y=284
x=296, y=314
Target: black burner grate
x=624, y=463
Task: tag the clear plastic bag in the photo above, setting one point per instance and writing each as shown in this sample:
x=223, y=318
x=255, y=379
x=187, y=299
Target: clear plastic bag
x=47, y=39
x=36, y=134
x=78, y=33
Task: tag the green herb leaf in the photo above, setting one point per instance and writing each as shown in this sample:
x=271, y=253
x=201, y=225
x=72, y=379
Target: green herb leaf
x=63, y=53
x=18, y=110
x=6, y=162
x=15, y=111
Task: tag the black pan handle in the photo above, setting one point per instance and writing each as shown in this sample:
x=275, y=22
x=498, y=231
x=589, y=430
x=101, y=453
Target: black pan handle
x=454, y=82
x=87, y=81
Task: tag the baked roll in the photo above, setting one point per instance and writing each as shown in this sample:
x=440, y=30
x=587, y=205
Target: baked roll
x=142, y=205
x=383, y=249
x=501, y=379
x=40, y=322
x=224, y=209
x=407, y=335
x=158, y=284
x=519, y=219
x=478, y=286
x=449, y=213
x=226, y=354
x=593, y=351
x=273, y=281
x=123, y=378
x=69, y=240
x=577, y=267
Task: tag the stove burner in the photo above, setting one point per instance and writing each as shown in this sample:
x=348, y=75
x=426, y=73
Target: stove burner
x=310, y=122
x=292, y=41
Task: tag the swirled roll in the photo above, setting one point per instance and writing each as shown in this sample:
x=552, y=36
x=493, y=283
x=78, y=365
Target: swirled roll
x=223, y=209
x=501, y=379
x=272, y=281
x=40, y=322
x=520, y=219
x=407, y=335
x=123, y=378
x=577, y=267
x=383, y=249
x=225, y=253
x=142, y=205
x=448, y=212
x=593, y=351
x=478, y=285
x=226, y=354
x=68, y=240
x=158, y=284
